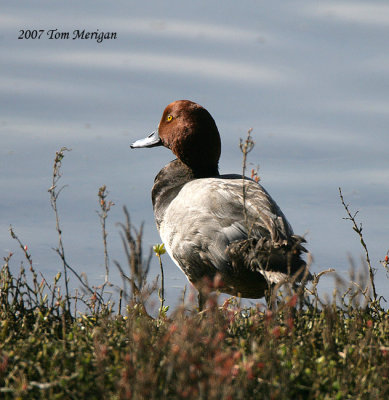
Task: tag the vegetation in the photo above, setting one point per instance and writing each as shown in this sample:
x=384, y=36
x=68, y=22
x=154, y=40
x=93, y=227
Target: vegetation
x=56, y=344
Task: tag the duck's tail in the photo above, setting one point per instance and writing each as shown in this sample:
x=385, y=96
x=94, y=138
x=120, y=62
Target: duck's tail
x=276, y=261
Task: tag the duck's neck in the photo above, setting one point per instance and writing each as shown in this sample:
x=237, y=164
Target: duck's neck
x=169, y=182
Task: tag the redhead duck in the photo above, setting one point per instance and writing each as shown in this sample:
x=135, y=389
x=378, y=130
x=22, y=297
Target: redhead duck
x=207, y=224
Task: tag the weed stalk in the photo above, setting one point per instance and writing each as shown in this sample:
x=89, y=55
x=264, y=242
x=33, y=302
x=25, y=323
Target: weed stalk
x=358, y=229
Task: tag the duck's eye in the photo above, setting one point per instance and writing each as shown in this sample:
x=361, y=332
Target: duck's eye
x=169, y=118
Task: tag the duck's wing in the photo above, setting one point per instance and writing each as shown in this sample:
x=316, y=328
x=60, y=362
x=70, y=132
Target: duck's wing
x=262, y=238
x=217, y=224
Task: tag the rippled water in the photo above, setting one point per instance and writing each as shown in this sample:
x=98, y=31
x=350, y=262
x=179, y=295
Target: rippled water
x=311, y=79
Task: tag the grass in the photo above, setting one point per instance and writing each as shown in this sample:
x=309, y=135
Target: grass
x=55, y=344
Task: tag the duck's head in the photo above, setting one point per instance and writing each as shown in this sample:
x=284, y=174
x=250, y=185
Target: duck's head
x=190, y=132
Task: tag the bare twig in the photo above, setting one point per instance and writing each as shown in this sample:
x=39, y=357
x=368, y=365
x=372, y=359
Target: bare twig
x=358, y=230
x=105, y=207
x=139, y=268
x=54, y=193
x=245, y=147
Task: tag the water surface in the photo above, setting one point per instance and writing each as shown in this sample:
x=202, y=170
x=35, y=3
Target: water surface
x=311, y=79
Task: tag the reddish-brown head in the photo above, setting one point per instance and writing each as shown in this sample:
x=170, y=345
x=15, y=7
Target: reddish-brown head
x=190, y=132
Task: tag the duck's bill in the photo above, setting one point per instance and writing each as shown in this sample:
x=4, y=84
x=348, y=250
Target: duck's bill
x=151, y=141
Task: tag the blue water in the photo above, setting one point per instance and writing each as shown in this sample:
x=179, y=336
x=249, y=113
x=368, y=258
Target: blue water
x=310, y=78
